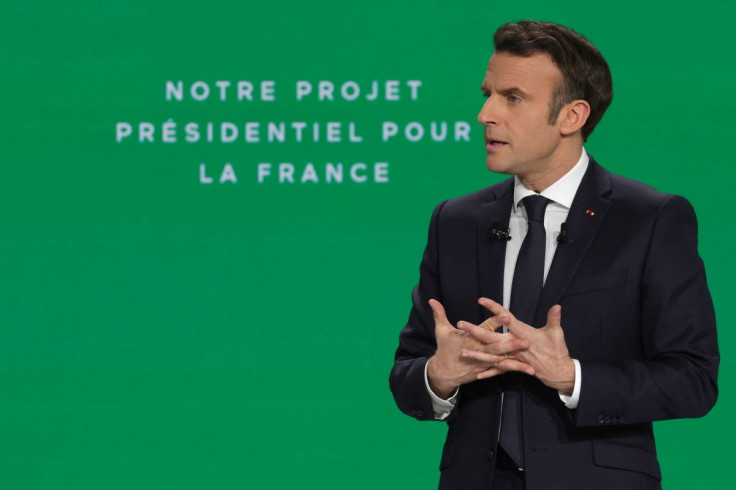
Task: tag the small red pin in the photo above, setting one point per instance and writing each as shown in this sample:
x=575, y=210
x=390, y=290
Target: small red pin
x=590, y=212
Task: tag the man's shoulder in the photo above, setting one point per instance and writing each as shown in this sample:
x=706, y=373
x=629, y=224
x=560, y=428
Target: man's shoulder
x=630, y=193
x=476, y=199
x=624, y=193
x=625, y=187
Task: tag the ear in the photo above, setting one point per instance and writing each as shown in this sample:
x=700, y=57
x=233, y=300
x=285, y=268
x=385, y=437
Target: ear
x=573, y=117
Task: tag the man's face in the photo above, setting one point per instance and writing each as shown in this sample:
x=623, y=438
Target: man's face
x=519, y=138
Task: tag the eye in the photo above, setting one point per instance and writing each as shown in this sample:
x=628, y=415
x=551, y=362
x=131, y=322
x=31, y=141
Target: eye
x=514, y=99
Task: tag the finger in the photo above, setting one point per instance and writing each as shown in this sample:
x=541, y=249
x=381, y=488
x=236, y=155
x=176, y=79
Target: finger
x=507, y=365
x=520, y=329
x=438, y=312
x=491, y=305
x=482, y=334
x=481, y=356
x=489, y=325
x=495, y=322
x=494, y=342
x=489, y=373
x=554, y=317
x=516, y=365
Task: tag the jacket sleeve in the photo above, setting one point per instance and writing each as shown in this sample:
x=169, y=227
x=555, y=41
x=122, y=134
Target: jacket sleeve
x=676, y=375
x=417, y=340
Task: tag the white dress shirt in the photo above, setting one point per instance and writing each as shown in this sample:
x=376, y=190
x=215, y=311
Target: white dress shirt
x=561, y=195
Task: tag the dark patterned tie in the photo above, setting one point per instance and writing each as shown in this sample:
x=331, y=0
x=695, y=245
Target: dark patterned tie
x=525, y=291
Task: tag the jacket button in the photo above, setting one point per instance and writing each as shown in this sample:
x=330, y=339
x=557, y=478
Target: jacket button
x=490, y=456
x=601, y=419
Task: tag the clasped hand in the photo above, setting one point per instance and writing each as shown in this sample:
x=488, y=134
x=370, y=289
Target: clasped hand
x=471, y=352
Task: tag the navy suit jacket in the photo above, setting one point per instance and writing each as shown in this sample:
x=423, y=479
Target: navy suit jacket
x=636, y=313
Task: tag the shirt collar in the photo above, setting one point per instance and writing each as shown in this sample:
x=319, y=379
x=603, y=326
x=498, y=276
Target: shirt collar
x=563, y=191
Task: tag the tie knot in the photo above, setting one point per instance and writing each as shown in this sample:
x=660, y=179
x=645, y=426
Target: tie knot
x=535, y=206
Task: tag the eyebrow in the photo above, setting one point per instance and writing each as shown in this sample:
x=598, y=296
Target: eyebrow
x=512, y=90
x=505, y=91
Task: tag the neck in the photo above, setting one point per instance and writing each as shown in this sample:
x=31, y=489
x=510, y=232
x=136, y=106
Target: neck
x=557, y=165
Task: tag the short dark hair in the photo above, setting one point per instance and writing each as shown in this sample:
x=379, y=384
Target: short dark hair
x=585, y=73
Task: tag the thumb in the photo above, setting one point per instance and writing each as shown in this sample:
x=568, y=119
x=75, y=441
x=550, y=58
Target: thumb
x=438, y=312
x=554, y=317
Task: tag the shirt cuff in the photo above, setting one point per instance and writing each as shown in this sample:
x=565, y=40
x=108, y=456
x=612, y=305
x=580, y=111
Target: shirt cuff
x=440, y=408
x=571, y=401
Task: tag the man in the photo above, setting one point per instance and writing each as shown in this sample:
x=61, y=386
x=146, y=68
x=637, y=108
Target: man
x=558, y=313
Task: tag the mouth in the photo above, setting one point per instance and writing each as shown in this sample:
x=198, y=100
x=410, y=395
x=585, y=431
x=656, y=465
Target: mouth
x=494, y=144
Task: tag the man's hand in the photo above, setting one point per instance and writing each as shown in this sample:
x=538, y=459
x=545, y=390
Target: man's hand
x=547, y=353
x=448, y=368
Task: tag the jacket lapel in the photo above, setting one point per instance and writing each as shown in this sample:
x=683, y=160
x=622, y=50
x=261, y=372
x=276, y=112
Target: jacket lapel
x=494, y=215
x=588, y=210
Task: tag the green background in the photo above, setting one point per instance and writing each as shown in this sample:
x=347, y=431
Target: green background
x=156, y=332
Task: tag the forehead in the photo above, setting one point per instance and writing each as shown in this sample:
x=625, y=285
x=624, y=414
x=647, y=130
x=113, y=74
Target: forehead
x=528, y=73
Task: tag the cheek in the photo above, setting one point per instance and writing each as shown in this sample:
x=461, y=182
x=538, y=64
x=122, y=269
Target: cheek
x=544, y=133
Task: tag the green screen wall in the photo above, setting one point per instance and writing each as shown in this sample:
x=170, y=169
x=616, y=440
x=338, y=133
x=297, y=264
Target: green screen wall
x=212, y=216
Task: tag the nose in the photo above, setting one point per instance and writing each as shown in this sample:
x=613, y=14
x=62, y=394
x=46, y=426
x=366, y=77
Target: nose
x=488, y=113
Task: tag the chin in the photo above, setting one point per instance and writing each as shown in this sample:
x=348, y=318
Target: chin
x=497, y=167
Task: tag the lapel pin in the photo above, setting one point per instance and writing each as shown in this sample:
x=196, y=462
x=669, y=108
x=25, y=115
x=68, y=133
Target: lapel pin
x=590, y=212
